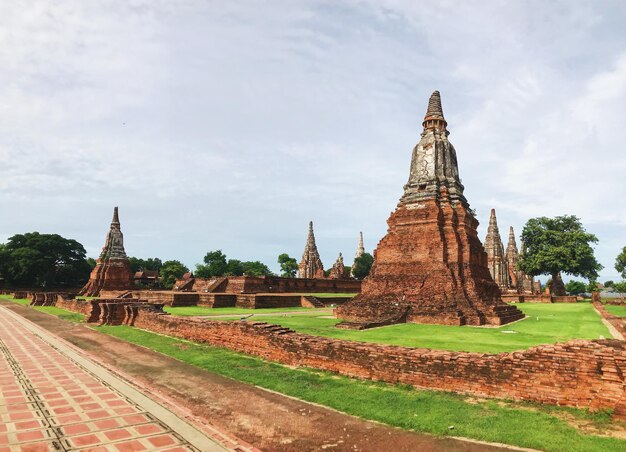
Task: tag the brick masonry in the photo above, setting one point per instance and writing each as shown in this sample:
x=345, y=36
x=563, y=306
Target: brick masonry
x=578, y=373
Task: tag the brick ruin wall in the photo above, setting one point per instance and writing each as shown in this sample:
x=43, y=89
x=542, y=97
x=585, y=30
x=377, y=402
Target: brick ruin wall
x=578, y=373
x=271, y=284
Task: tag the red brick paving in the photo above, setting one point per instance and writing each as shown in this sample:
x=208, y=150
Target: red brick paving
x=47, y=402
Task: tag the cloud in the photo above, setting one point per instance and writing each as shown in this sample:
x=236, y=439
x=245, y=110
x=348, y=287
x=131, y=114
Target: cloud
x=231, y=125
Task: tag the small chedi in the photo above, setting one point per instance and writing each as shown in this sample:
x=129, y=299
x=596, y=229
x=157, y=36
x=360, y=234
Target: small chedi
x=311, y=265
x=338, y=270
x=431, y=266
x=515, y=276
x=112, y=270
x=360, y=251
x=495, y=254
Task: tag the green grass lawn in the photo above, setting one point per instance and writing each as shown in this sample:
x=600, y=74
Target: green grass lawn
x=525, y=425
x=545, y=324
x=619, y=311
x=204, y=310
x=23, y=301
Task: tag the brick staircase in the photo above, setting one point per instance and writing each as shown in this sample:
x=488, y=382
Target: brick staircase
x=313, y=301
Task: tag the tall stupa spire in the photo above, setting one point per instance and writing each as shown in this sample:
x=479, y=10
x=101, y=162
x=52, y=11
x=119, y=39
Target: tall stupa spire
x=430, y=267
x=434, y=113
x=112, y=270
x=311, y=265
x=512, y=256
x=116, y=218
x=434, y=169
x=495, y=253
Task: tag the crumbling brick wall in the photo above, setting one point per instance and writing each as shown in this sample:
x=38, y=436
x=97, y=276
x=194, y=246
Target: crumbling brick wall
x=578, y=373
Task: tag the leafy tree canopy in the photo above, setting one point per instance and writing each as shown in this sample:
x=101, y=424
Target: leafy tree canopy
x=575, y=287
x=620, y=263
x=171, y=271
x=43, y=260
x=216, y=264
x=152, y=263
x=288, y=265
x=559, y=244
x=608, y=283
x=362, y=266
x=256, y=268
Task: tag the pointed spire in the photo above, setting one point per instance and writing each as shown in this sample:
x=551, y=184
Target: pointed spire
x=116, y=218
x=495, y=252
x=360, y=249
x=434, y=114
x=311, y=265
x=512, y=243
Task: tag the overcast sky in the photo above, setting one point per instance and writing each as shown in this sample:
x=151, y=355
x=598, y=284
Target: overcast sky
x=230, y=124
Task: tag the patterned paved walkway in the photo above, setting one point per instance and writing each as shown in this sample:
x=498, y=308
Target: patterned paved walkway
x=50, y=402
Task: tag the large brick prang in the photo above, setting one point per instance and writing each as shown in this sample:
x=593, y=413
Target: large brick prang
x=431, y=266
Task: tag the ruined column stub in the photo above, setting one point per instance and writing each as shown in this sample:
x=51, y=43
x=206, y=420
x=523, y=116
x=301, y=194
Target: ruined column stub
x=495, y=253
x=112, y=270
x=431, y=266
x=311, y=265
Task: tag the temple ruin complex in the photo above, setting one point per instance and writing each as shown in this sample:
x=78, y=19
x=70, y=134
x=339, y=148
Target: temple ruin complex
x=431, y=266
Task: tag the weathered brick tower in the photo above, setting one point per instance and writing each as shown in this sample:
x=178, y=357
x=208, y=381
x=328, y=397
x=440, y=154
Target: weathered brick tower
x=311, y=265
x=112, y=270
x=495, y=254
x=431, y=266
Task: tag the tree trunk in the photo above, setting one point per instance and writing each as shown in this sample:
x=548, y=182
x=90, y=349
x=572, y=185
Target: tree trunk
x=557, y=288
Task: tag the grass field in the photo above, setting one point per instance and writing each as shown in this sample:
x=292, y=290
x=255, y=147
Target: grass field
x=545, y=324
x=619, y=311
x=525, y=425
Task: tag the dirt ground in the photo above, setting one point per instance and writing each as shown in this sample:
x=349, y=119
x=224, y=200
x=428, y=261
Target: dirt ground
x=267, y=420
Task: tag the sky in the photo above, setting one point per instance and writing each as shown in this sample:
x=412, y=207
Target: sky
x=230, y=125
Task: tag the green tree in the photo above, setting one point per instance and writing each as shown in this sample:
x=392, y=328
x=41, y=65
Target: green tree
x=608, y=284
x=43, y=260
x=234, y=267
x=170, y=272
x=575, y=287
x=362, y=265
x=215, y=264
x=592, y=286
x=555, y=245
x=92, y=262
x=620, y=287
x=620, y=263
x=256, y=268
x=152, y=263
x=288, y=265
